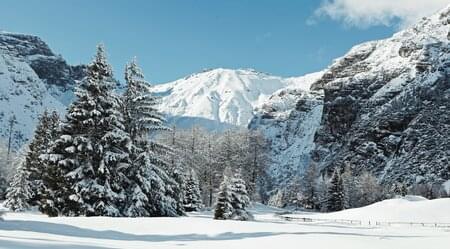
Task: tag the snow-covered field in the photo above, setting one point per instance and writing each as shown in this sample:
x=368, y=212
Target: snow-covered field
x=199, y=230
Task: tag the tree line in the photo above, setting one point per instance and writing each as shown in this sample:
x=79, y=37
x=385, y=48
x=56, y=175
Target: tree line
x=343, y=190
x=113, y=155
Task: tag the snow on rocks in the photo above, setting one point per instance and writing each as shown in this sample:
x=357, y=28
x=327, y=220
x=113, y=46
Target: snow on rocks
x=32, y=79
x=289, y=119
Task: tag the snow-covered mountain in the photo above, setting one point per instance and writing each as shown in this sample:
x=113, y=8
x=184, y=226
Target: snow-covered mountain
x=386, y=109
x=220, y=97
x=32, y=78
x=387, y=106
x=289, y=120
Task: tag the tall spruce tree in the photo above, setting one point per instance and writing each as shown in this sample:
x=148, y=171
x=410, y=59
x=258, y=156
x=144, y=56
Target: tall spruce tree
x=86, y=160
x=224, y=208
x=43, y=135
x=240, y=199
x=335, y=197
x=19, y=193
x=192, y=197
x=151, y=191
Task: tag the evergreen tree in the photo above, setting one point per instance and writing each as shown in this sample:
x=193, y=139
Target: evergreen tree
x=192, y=198
x=224, y=207
x=240, y=199
x=335, y=198
x=86, y=160
x=43, y=135
x=151, y=191
x=19, y=193
x=5, y=170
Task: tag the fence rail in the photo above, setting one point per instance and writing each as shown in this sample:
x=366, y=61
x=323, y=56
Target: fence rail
x=368, y=222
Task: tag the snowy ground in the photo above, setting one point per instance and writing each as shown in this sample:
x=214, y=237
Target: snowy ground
x=31, y=230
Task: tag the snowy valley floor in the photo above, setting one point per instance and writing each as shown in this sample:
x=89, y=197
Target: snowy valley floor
x=199, y=230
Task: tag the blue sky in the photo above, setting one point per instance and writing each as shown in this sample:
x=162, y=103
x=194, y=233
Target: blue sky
x=175, y=38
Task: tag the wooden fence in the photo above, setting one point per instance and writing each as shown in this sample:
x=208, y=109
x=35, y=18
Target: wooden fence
x=359, y=222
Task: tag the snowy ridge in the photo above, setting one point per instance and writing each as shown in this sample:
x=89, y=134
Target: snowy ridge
x=24, y=95
x=386, y=106
x=359, y=109
x=220, y=97
x=32, y=79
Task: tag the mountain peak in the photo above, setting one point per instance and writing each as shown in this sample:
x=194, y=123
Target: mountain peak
x=220, y=95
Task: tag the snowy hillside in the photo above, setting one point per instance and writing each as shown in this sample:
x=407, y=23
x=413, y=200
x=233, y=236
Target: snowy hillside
x=199, y=230
x=32, y=78
x=406, y=209
x=220, y=97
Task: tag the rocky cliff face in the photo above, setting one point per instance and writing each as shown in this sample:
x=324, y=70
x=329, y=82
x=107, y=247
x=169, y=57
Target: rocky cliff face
x=289, y=120
x=59, y=77
x=387, y=106
x=383, y=107
x=32, y=78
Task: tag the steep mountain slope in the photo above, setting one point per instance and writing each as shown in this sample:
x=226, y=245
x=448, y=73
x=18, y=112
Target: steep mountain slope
x=383, y=107
x=32, y=78
x=218, y=98
x=387, y=106
x=289, y=120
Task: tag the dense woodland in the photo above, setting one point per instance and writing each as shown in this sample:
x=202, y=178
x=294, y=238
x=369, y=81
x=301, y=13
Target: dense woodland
x=113, y=154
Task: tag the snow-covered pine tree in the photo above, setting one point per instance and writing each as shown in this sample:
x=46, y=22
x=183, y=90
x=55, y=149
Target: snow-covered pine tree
x=240, y=199
x=224, y=208
x=151, y=191
x=44, y=133
x=5, y=170
x=335, y=198
x=86, y=160
x=192, y=197
x=19, y=193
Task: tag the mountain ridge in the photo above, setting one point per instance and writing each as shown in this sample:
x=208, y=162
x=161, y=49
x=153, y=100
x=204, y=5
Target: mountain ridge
x=223, y=96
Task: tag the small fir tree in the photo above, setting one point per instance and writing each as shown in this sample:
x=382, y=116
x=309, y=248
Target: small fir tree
x=240, y=199
x=335, y=198
x=224, y=207
x=19, y=193
x=192, y=197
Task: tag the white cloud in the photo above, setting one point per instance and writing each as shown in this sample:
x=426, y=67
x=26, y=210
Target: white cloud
x=365, y=13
